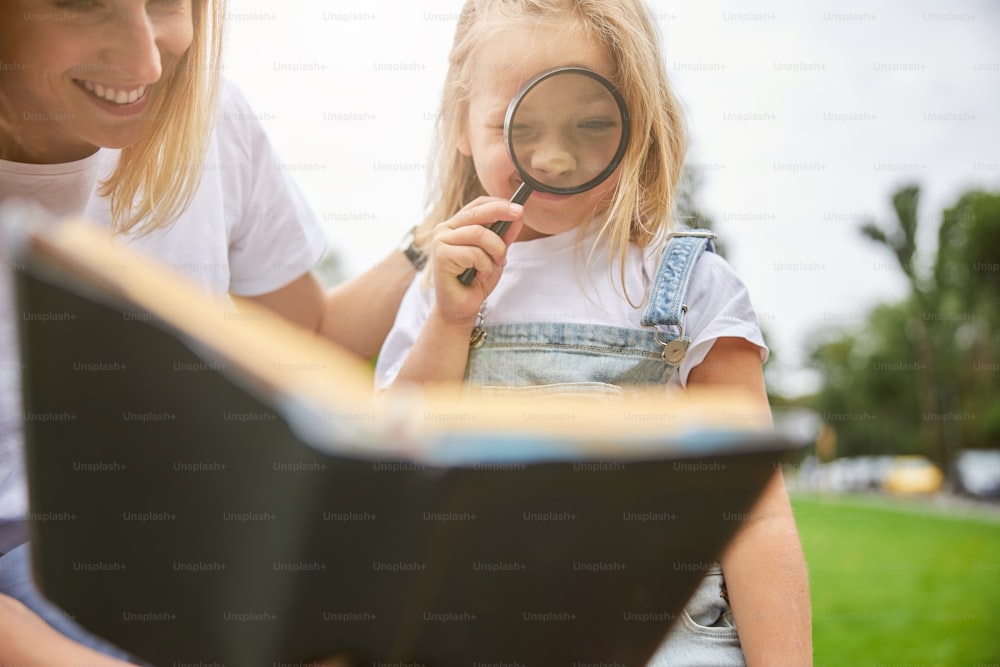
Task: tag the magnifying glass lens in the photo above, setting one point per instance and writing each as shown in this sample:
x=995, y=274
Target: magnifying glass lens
x=565, y=132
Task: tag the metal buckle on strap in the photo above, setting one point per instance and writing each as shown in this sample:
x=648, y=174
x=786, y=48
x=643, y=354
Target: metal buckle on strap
x=675, y=350
x=696, y=233
x=478, y=337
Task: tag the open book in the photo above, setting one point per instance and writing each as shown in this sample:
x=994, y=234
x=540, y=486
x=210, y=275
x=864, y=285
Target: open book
x=210, y=485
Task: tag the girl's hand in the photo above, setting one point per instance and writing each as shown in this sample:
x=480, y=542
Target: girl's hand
x=464, y=241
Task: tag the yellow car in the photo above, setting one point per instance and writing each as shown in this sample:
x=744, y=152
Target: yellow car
x=912, y=475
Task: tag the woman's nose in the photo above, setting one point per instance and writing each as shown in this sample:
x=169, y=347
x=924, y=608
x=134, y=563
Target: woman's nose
x=134, y=48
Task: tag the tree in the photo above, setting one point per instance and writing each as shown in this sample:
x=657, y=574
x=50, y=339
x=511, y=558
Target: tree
x=967, y=275
x=923, y=375
x=901, y=239
x=867, y=394
x=328, y=270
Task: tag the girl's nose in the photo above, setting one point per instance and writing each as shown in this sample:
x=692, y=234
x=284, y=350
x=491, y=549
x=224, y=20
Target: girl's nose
x=553, y=161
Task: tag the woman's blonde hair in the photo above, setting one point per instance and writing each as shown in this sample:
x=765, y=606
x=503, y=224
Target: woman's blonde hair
x=640, y=210
x=156, y=177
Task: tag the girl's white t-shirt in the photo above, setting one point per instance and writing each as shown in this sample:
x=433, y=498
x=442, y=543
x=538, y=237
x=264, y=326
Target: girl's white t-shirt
x=248, y=231
x=551, y=279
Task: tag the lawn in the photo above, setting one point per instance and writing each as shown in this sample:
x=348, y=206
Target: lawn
x=900, y=585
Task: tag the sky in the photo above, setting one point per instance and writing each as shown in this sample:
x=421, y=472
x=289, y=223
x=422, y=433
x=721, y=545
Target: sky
x=803, y=119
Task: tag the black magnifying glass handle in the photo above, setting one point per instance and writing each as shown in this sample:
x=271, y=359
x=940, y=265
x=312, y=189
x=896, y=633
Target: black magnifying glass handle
x=571, y=131
x=499, y=227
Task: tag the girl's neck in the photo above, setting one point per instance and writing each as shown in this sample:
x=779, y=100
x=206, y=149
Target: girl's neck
x=529, y=234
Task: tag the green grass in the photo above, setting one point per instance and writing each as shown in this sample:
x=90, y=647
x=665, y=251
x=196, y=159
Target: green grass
x=900, y=585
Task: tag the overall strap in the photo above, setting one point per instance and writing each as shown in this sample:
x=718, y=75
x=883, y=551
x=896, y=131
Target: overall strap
x=668, y=295
x=667, y=302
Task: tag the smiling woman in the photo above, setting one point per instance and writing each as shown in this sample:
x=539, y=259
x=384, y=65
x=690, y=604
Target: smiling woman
x=113, y=110
x=116, y=75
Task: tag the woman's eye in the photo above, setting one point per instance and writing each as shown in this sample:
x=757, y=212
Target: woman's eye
x=75, y=4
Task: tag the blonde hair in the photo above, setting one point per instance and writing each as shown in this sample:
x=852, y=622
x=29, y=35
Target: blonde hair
x=157, y=176
x=640, y=210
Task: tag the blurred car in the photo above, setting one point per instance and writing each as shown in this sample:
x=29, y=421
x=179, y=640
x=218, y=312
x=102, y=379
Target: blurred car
x=846, y=474
x=912, y=475
x=977, y=473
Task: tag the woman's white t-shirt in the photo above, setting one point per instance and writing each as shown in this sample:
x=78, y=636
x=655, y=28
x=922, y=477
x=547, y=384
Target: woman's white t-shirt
x=248, y=231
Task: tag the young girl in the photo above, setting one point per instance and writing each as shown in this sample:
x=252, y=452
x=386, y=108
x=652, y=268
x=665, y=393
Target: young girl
x=569, y=304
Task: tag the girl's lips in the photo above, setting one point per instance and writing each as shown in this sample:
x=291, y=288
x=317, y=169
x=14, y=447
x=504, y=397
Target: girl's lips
x=548, y=196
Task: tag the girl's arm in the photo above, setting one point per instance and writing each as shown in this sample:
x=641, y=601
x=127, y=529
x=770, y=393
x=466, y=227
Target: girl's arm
x=764, y=566
x=359, y=313
x=441, y=348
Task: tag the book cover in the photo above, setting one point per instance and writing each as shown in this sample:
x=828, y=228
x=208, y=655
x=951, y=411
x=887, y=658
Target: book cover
x=209, y=485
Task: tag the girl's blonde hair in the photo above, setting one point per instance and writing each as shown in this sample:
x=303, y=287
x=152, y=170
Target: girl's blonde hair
x=156, y=177
x=640, y=210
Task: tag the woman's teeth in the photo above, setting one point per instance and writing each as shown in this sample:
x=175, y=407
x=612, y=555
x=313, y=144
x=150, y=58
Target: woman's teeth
x=113, y=94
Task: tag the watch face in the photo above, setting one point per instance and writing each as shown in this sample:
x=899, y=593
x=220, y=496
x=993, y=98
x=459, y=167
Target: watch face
x=417, y=257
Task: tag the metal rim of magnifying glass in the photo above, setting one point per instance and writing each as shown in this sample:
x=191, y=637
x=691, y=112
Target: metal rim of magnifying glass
x=622, y=142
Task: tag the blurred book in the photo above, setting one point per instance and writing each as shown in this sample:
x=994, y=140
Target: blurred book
x=212, y=485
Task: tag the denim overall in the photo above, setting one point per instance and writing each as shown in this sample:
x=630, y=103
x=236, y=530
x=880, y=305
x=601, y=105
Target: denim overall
x=551, y=359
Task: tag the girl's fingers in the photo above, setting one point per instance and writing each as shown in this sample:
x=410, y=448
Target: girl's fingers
x=456, y=259
x=513, y=231
x=465, y=241
x=475, y=236
x=485, y=211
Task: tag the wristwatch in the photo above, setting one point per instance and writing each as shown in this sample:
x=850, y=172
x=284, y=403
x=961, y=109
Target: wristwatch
x=413, y=252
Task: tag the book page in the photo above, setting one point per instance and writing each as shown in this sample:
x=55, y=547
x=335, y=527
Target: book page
x=305, y=375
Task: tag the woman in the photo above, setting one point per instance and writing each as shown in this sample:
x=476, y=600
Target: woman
x=113, y=110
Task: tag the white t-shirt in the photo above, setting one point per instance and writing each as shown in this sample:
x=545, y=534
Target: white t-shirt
x=550, y=280
x=248, y=231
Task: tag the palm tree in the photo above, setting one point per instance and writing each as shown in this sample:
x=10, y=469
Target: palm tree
x=902, y=241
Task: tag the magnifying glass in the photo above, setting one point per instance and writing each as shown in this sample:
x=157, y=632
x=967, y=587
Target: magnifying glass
x=566, y=131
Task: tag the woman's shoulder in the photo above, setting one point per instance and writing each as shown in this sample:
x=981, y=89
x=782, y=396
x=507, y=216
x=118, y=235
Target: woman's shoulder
x=232, y=99
x=233, y=111
x=237, y=129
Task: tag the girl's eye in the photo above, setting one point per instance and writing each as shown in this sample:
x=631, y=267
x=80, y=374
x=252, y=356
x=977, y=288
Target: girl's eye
x=598, y=125
x=81, y=5
x=521, y=130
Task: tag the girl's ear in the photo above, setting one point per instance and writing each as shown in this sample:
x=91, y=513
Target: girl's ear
x=464, y=145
